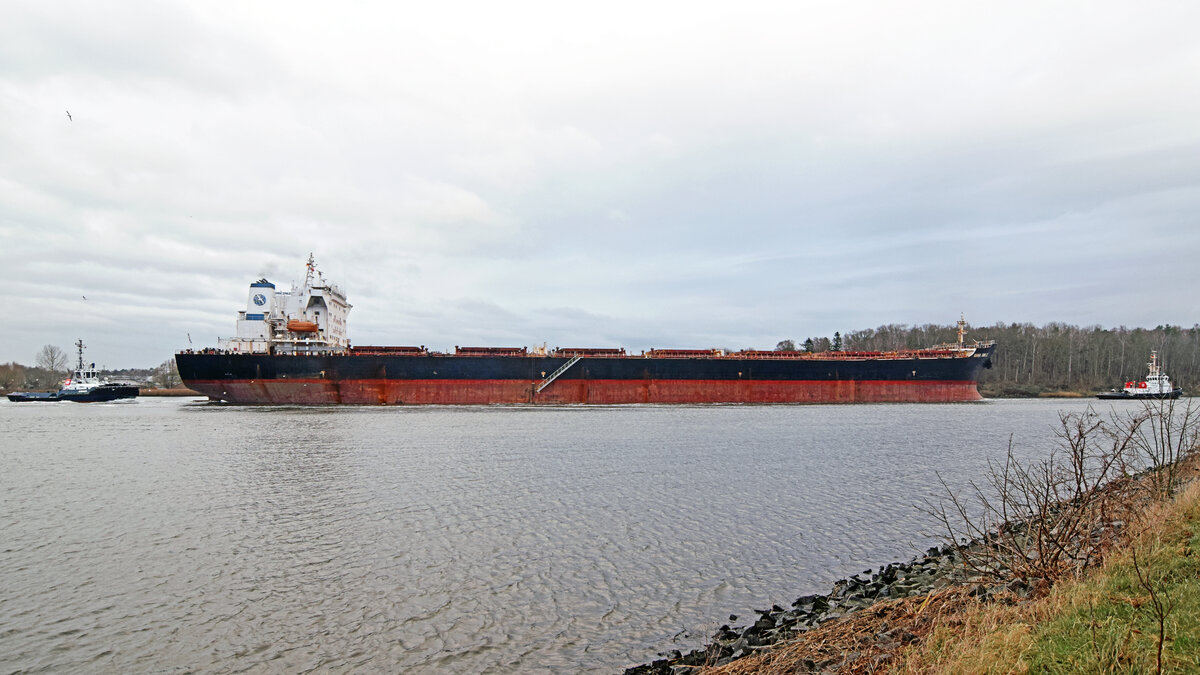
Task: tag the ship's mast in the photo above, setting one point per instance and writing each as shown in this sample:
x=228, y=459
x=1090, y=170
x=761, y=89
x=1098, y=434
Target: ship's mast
x=962, y=328
x=311, y=267
x=79, y=344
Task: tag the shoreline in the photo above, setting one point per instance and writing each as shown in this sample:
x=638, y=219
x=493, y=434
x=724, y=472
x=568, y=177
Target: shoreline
x=940, y=569
x=875, y=621
x=174, y=391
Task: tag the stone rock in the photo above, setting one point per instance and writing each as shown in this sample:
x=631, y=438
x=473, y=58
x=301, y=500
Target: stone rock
x=936, y=569
x=1019, y=587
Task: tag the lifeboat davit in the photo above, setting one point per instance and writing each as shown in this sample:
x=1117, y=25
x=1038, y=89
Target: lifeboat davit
x=298, y=326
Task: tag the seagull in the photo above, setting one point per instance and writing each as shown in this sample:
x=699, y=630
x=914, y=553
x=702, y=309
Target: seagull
x=84, y=297
x=69, y=118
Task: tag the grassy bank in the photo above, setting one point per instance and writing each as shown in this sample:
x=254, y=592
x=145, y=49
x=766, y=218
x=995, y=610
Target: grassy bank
x=1110, y=618
x=1114, y=619
x=1087, y=561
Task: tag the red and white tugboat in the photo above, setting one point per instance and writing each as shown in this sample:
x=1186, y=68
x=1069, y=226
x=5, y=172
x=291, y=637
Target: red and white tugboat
x=1156, y=385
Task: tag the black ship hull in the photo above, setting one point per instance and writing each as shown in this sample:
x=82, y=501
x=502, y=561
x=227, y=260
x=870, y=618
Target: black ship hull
x=383, y=379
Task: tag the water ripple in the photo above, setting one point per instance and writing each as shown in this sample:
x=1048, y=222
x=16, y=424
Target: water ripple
x=173, y=535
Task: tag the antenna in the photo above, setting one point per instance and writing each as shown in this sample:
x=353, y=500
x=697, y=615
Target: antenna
x=309, y=269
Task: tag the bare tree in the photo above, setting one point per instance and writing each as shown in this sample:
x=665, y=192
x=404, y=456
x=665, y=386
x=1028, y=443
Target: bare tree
x=52, y=358
x=166, y=375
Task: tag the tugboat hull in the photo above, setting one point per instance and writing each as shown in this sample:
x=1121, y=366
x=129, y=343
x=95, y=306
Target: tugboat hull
x=96, y=395
x=104, y=392
x=1122, y=396
x=26, y=396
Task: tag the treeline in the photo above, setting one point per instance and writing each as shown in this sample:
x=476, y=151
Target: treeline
x=14, y=376
x=1031, y=359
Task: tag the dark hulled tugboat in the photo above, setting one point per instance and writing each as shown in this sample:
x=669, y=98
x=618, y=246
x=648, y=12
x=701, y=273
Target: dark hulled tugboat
x=84, y=386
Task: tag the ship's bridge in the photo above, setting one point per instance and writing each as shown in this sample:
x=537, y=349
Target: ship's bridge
x=308, y=318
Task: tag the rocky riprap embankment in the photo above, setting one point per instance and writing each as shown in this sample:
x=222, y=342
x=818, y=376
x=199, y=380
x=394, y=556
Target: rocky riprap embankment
x=938, y=568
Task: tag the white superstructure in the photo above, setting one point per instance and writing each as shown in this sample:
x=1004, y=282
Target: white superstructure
x=1157, y=383
x=84, y=378
x=307, y=319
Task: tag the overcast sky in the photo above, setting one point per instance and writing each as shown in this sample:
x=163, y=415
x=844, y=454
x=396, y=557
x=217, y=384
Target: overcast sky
x=676, y=174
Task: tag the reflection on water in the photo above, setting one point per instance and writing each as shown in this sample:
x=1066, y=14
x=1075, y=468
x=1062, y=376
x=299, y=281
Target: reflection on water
x=177, y=535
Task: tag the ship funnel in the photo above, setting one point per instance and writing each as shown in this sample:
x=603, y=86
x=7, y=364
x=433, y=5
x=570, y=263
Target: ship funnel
x=261, y=299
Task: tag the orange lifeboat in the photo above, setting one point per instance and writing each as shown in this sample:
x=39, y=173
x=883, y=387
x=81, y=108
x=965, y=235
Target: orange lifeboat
x=298, y=326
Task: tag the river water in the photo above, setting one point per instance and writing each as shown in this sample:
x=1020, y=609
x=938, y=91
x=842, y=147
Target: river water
x=174, y=535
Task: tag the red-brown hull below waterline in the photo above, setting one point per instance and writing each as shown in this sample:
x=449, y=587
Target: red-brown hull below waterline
x=602, y=392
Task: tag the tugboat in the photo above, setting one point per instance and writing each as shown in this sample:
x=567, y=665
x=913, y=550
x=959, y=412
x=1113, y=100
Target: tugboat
x=82, y=387
x=1156, y=385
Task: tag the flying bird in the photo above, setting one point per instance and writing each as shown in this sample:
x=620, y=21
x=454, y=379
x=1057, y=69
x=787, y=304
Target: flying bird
x=69, y=118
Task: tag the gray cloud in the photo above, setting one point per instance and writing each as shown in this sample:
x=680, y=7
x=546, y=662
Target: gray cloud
x=665, y=175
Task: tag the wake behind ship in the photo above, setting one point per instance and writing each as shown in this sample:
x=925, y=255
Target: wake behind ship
x=292, y=348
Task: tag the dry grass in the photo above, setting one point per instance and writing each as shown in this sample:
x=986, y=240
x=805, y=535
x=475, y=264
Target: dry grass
x=951, y=631
x=864, y=642
x=177, y=391
x=1002, y=639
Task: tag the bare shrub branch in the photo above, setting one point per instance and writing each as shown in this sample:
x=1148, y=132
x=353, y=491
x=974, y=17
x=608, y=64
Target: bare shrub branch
x=1041, y=519
x=1162, y=432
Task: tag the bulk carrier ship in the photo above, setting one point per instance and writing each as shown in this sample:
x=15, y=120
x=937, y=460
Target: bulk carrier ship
x=292, y=348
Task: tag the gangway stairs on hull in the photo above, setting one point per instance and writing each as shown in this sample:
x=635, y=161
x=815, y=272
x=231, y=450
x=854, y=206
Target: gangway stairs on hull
x=554, y=376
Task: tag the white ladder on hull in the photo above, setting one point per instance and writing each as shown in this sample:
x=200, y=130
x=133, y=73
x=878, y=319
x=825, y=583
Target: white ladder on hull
x=554, y=376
